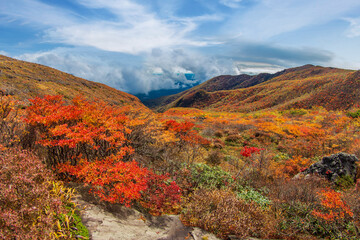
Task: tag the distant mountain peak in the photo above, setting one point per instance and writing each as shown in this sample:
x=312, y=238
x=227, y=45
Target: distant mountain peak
x=305, y=86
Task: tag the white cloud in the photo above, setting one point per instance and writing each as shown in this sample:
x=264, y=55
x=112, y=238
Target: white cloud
x=3, y=53
x=35, y=12
x=254, y=68
x=160, y=69
x=132, y=29
x=354, y=28
x=231, y=3
x=273, y=17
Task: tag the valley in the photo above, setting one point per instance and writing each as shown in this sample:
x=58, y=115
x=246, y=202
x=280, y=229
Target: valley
x=229, y=156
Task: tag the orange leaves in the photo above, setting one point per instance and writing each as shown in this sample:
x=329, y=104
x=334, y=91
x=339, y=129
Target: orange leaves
x=179, y=127
x=82, y=122
x=270, y=127
x=184, y=132
x=50, y=110
x=88, y=140
x=111, y=179
x=290, y=167
x=332, y=206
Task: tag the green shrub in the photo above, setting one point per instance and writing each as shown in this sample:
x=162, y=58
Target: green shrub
x=205, y=176
x=298, y=112
x=251, y=195
x=355, y=114
x=345, y=182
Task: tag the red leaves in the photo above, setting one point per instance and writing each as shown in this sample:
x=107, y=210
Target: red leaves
x=93, y=136
x=111, y=179
x=124, y=182
x=162, y=195
x=248, y=151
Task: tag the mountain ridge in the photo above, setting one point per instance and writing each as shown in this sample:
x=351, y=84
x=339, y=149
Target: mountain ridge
x=305, y=86
x=28, y=80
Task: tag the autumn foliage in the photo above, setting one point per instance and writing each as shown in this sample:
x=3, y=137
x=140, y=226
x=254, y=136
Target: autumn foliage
x=184, y=131
x=81, y=129
x=88, y=141
x=162, y=195
x=112, y=180
x=220, y=170
x=333, y=206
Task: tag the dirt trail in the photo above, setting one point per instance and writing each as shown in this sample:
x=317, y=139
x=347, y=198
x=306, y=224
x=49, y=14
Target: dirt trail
x=116, y=222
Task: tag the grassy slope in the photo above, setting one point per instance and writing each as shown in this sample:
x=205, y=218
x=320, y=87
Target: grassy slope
x=303, y=87
x=27, y=80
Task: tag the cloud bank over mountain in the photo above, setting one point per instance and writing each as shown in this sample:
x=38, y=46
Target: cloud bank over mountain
x=139, y=46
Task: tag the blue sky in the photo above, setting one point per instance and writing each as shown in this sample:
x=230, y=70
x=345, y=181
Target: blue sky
x=143, y=45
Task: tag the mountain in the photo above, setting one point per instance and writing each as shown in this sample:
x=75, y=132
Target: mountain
x=303, y=87
x=159, y=93
x=27, y=80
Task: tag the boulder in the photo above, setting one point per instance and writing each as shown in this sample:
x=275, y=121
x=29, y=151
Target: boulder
x=334, y=166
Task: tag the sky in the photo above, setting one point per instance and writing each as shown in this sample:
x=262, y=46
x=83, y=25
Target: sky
x=138, y=46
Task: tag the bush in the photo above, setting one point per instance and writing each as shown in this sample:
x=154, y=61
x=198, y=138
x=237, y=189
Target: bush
x=310, y=207
x=214, y=158
x=217, y=143
x=25, y=196
x=219, y=134
x=233, y=138
x=162, y=195
x=345, y=182
x=297, y=112
x=204, y=176
x=355, y=114
x=11, y=127
x=30, y=207
x=208, y=132
x=251, y=195
x=301, y=190
x=222, y=213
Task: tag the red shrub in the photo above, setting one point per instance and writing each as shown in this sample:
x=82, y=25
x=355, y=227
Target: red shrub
x=162, y=195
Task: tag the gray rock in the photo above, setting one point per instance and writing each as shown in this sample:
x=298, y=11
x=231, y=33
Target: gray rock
x=116, y=222
x=334, y=166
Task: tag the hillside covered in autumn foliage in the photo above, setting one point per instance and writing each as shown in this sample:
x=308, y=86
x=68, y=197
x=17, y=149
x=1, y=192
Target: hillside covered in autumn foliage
x=301, y=87
x=28, y=80
x=226, y=168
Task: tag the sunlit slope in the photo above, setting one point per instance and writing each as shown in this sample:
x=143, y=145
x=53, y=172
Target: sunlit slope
x=26, y=80
x=302, y=87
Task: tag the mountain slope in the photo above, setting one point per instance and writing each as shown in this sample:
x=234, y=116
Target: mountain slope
x=223, y=82
x=303, y=87
x=26, y=80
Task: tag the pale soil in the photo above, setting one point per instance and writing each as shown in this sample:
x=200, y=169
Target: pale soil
x=116, y=222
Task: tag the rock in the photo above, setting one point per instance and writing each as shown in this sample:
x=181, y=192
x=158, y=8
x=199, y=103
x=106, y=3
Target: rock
x=116, y=222
x=334, y=166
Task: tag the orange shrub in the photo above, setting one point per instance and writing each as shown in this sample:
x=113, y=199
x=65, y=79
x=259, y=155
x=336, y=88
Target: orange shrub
x=290, y=167
x=332, y=206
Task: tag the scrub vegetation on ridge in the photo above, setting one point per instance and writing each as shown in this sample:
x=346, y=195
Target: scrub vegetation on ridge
x=228, y=172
